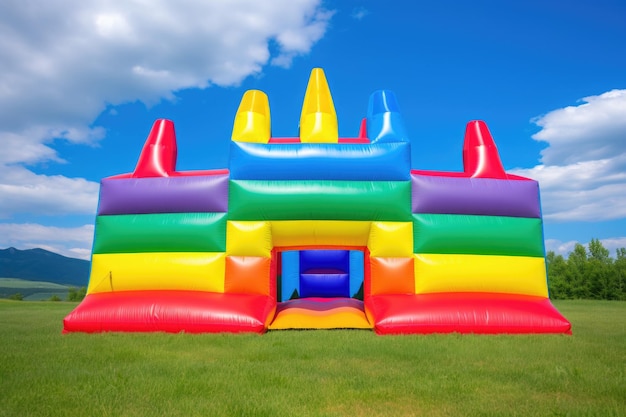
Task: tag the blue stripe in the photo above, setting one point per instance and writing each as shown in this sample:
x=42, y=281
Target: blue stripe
x=320, y=161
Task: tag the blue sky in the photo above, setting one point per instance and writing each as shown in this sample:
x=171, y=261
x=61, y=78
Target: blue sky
x=82, y=82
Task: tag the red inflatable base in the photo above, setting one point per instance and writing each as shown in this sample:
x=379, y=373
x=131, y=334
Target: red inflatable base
x=170, y=311
x=484, y=313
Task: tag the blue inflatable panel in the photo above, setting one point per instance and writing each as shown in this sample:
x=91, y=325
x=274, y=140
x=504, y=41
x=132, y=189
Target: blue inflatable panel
x=290, y=274
x=357, y=265
x=315, y=260
x=324, y=285
x=320, y=161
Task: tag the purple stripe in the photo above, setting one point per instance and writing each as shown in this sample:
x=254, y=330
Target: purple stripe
x=480, y=196
x=201, y=194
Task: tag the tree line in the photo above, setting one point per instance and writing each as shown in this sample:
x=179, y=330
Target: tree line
x=587, y=273
x=74, y=294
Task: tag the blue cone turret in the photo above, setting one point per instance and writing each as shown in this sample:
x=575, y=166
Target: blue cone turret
x=384, y=122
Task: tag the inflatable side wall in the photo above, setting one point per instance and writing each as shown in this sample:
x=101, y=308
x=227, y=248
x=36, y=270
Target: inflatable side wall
x=318, y=232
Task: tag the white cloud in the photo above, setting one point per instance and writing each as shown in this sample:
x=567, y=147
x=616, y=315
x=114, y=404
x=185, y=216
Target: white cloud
x=33, y=144
x=582, y=174
x=560, y=248
x=590, y=131
x=63, y=62
x=24, y=192
x=359, y=13
x=584, y=191
x=73, y=242
x=612, y=244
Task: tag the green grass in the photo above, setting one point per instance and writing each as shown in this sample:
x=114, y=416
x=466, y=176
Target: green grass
x=311, y=373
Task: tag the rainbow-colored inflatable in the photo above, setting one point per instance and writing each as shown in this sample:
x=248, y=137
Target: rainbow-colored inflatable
x=318, y=232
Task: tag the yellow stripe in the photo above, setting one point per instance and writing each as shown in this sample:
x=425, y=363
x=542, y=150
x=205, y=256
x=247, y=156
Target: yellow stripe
x=320, y=233
x=480, y=273
x=391, y=239
x=256, y=238
x=248, y=238
x=157, y=271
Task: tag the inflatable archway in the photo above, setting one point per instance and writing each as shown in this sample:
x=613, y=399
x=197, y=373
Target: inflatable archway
x=318, y=232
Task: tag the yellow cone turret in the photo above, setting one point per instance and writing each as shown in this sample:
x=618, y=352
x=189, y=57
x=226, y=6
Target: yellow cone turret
x=253, y=122
x=318, y=121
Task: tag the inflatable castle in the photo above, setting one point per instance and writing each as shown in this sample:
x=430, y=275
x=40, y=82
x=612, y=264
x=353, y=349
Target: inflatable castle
x=318, y=232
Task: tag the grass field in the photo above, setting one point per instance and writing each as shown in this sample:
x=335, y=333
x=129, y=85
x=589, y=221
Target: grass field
x=311, y=373
x=32, y=290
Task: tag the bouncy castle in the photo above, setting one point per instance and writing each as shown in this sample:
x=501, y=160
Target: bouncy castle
x=318, y=232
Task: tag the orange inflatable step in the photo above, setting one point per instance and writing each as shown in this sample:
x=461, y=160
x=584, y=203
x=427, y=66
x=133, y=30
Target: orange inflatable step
x=320, y=313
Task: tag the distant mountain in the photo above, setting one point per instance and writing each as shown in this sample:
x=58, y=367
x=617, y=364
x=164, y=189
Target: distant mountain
x=42, y=265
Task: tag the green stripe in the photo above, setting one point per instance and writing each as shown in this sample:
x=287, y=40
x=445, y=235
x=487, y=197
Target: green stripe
x=477, y=235
x=320, y=200
x=168, y=232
